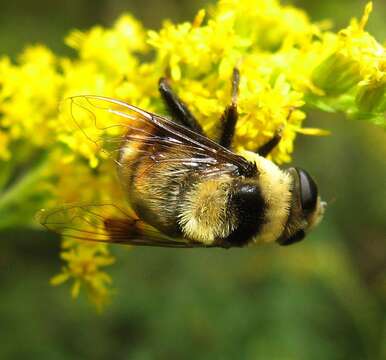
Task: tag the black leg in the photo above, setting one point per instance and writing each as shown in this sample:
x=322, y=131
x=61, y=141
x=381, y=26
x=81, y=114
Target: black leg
x=230, y=115
x=266, y=148
x=177, y=108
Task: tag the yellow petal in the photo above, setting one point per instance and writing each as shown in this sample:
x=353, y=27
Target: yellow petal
x=75, y=289
x=313, y=131
x=365, y=17
x=59, y=279
x=199, y=18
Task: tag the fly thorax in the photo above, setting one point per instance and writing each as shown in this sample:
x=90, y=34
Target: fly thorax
x=275, y=187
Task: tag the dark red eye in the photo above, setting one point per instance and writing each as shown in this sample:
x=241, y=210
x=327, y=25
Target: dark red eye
x=308, y=191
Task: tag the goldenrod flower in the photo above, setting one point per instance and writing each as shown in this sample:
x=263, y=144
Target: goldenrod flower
x=356, y=55
x=371, y=95
x=286, y=61
x=83, y=266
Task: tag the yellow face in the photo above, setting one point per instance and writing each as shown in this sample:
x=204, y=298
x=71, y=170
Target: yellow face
x=316, y=216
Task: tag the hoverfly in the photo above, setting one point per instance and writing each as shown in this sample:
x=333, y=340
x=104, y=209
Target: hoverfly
x=185, y=190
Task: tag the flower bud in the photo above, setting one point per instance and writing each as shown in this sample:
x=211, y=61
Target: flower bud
x=336, y=74
x=371, y=96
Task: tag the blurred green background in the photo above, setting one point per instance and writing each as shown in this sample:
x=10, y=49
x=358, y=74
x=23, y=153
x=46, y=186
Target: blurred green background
x=321, y=299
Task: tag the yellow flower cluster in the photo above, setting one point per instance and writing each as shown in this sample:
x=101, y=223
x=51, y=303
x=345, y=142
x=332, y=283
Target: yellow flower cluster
x=354, y=73
x=285, y=60
x=83, y=265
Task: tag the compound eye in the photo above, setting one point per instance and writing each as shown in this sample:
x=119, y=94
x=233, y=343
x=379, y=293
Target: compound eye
x=308, y=191
x=298, y=236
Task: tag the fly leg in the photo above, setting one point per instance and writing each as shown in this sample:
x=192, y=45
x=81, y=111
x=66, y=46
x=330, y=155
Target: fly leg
x=230, y=115
x=177, y=107
x=270, y=145
x=266, y=148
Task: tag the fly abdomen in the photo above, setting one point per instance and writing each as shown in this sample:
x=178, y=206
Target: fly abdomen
x=204, y=214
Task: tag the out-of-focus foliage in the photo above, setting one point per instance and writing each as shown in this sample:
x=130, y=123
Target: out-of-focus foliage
x=320, y=299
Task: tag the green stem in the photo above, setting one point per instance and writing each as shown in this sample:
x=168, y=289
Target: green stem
x=22, y=188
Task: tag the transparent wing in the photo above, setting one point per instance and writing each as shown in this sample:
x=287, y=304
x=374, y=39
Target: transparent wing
x=106, y=223
x=110, y=123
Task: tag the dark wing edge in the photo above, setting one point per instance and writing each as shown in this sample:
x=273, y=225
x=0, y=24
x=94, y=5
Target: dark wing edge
x=106, y=223
x=163, y=132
